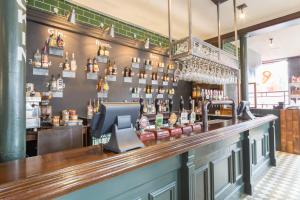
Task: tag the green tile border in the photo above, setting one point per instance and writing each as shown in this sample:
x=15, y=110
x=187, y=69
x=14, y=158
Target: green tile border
x=93, y=18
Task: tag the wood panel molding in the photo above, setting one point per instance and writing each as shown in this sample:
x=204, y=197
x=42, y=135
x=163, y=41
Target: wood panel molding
x=290, y=131
x=56, y=174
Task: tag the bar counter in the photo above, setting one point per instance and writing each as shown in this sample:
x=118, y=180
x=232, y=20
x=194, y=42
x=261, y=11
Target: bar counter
x=73, y=174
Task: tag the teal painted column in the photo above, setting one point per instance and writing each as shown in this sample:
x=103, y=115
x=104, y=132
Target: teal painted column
x=244, y=68
x=12, y=79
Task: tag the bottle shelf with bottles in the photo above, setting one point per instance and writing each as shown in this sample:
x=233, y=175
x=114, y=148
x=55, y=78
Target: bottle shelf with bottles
x=207, y=92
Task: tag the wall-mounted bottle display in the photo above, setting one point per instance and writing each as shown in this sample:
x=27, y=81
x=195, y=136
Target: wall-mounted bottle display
x=170, y=69
x=148, y=92
x=56, y=86
x=127, y=74
x=148, y=65
x=69, y=70
x=171, y=93
x=135, y=62
x=102, y=88
x=142, y=77
x=135, y=92
x=111, y=71
x=91, y=74
x=56, y=45
x=160, y=67
x=166, y=79
x=175, y=81
x=103, y=53
x=160, y=93
x=154, y=78
x=37, y=59
x=40, y=62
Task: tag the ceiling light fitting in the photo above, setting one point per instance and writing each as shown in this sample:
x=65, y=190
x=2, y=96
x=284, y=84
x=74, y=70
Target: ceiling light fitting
x=242, y=11
x=271, y=42
x=72, y=17
x=112, y=31
x=147, y=43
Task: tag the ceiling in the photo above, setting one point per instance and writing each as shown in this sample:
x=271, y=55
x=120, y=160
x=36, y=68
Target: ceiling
x=152, y=14
x=286, y=43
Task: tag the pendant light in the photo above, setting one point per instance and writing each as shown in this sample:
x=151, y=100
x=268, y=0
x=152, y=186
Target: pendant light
x=72, y=17
x=147, y=43
x=112, y=31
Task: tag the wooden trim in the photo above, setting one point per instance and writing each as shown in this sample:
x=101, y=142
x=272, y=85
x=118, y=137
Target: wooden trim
x=56, y=174
x=59, y=22
x=271, y=24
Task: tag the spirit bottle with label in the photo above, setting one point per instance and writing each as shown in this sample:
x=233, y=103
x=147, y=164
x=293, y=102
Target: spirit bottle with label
x=60, y=83
x=45, y=60
x=66, y=63
x=95, y=66
x=60, y=42
x=53, y=84
x=181, y=104
x=37, y=57
x=90, y=65
x=73, y=63
x=90, y=110
x=106, y=52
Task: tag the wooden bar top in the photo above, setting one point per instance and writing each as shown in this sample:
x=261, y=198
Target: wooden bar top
x=52, y=175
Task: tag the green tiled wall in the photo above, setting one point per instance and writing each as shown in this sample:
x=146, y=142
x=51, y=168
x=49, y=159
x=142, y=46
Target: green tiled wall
x=93, y=18
x=230, y=48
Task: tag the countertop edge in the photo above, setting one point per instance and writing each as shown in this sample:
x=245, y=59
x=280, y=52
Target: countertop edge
x=69, y=179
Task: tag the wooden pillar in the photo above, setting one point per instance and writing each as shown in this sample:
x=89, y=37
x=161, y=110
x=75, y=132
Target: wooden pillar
x=244, y=68
x=12, y=79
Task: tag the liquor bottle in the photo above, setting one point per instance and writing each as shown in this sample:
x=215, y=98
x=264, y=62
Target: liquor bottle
x=106, y=52
x=130, y=72
x=157, y=103
x=95, y=66
x=198, y=92
x=190, y=103
x=193, y=114
x=52, y=40
x=90, y=65
x=37, y=57
x=126, y=73
x=73, y=63
x=181, y=104
x=100, y=51
x=142, y=105
x=90, y=110
x=194, y=93
x=60, y=83
x=66, y=63
x=94, y=106
x=45, y=60
x=53, y=84
x=60, y=42
x=145, y=109
x=114, y=69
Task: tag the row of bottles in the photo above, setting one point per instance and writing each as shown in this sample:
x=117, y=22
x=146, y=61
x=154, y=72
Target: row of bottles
x=206, y=94
x=92, y=65
x=156, y=106
x=93, y=108
x=103, y=51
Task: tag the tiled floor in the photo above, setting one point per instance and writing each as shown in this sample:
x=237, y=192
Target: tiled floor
x=281, y=182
